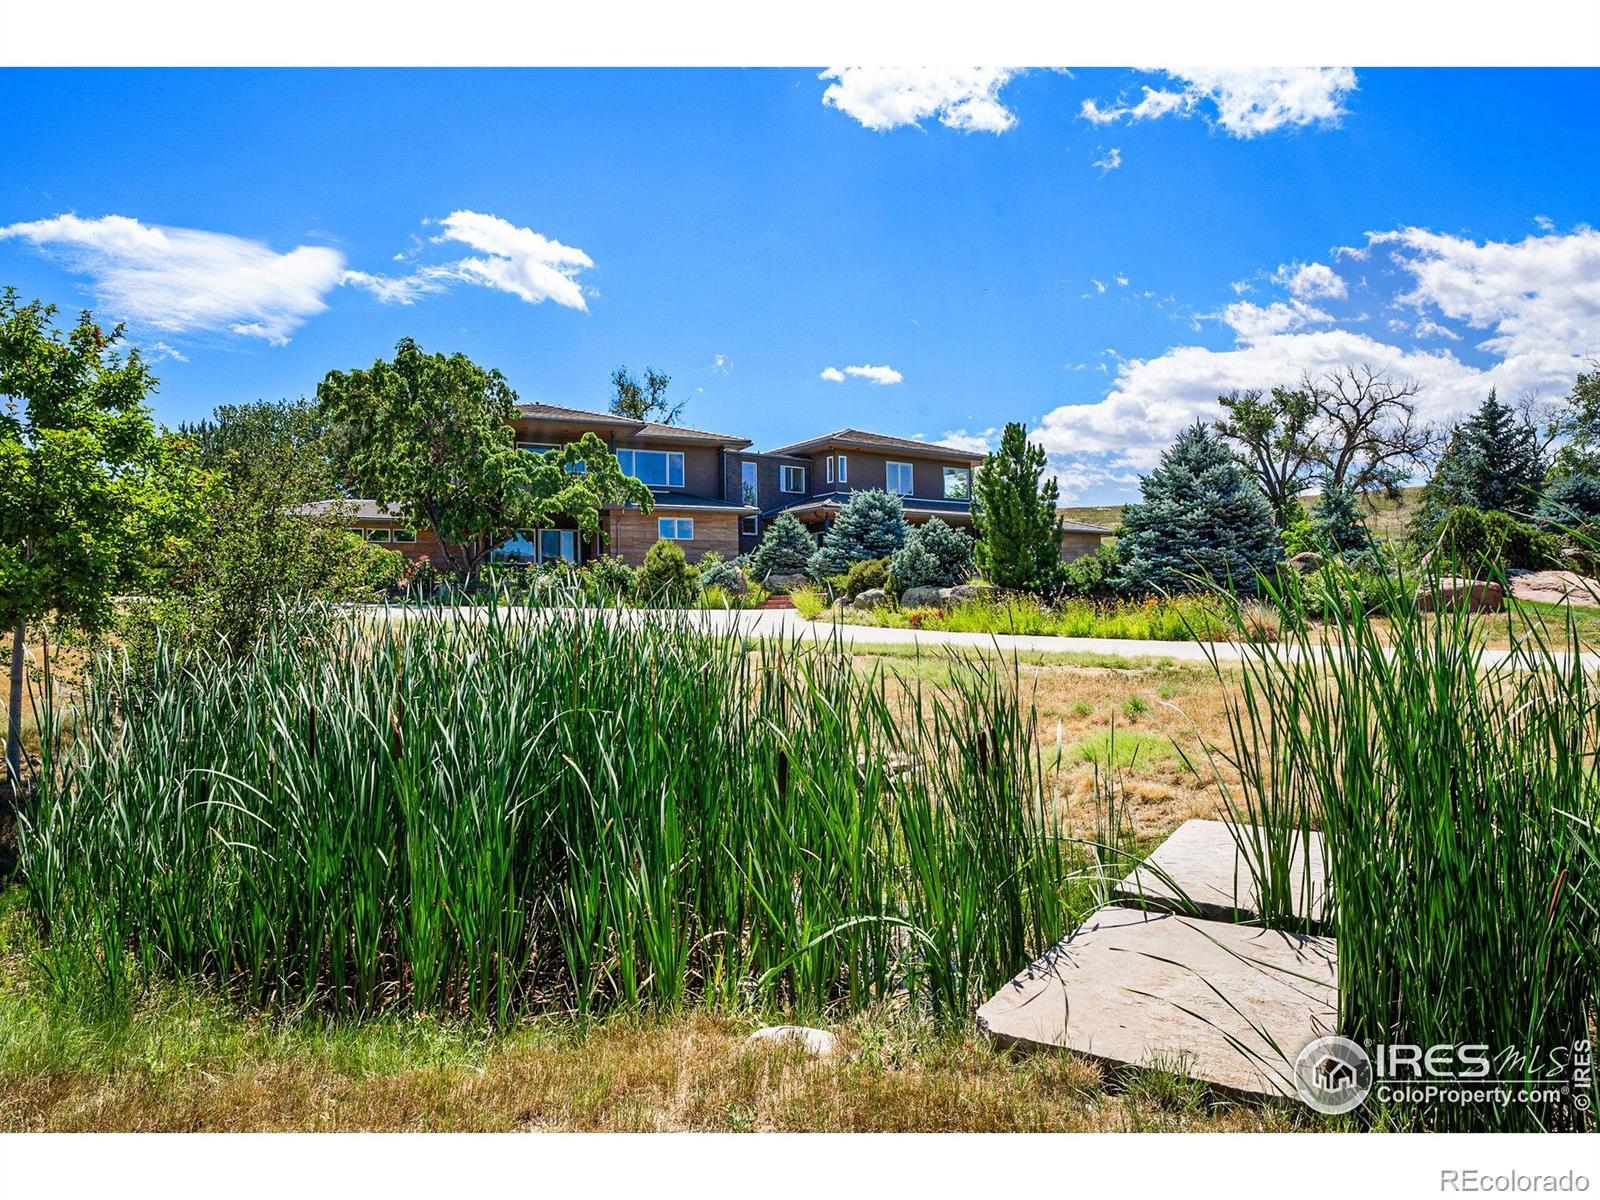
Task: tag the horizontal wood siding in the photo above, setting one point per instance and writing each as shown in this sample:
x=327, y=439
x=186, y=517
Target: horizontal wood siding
x=633, y=533
x=1076, y=545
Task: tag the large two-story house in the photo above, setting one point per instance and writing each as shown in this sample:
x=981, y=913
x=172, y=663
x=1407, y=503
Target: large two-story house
x=713, y=493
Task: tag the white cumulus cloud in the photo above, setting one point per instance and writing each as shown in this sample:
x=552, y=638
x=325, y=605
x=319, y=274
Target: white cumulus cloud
x=832, y=375
x=1535, y=303
x=1109, y=161
x=1245, y=102
x=884, y=98
x=188, y=280
x=511, y=258
x=1312, y=281
x=981, y=442
x=872, y=374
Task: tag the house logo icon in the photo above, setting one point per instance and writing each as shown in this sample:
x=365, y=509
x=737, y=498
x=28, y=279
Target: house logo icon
x=1332, y=1075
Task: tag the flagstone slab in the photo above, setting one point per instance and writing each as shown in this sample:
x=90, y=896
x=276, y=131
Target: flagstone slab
x=1200, y=871
x=1135, y=988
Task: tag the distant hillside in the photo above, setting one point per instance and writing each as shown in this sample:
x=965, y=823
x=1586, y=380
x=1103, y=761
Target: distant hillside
x=1388, y=518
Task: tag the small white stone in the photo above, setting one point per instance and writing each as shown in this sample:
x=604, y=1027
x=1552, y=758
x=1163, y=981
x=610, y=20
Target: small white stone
x=818, y=1043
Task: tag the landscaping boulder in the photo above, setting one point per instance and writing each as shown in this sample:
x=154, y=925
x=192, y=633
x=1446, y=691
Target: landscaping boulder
x=870, y=599
x=1476, y=595
x=779, y=582
x=925, y=597
x=1556, y=587
x=818, y=1043
x=966, y=592
x=1307, y=562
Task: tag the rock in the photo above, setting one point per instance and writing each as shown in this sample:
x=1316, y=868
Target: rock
x=1307, y=561
x=870, y=599
x=925, y=597
x=1556, y=587
x=818, y=1043
x=1476, y=595
x=967, y=592
x=777, y=582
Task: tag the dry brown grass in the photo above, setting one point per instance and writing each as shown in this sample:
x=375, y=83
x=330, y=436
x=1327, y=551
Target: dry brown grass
x=693, y=1073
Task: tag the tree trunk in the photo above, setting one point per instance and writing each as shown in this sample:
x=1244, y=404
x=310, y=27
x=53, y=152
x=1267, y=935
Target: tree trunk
x=14, y=715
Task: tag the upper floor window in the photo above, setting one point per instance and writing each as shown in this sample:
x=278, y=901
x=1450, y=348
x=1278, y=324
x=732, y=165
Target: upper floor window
x=403, y=536
x=958, y=483
x=829, y=462
x=897, y=478
x=676, y=529
x=791, y=479
x=377, y=535
x=747, y=482
x=654, y=468
x=573, y=468
x=844, y=468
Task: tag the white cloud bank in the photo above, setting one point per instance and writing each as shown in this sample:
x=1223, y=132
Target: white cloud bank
x=884, y=98
x=512, y=258
x=1245, y=102
x=1531, y=309
x=189, y=280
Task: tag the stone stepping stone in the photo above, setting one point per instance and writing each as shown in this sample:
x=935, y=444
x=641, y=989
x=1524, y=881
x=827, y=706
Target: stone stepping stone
x=1199, y=870
x=1209, y=998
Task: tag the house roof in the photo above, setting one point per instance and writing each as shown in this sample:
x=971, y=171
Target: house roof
x=626, y=425
x=351, y=509
x=863, y=440
x=1070, y=526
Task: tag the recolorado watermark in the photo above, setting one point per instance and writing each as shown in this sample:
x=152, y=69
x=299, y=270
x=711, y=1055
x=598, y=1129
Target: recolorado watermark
x=1511, y=1183
x=1336, y=1075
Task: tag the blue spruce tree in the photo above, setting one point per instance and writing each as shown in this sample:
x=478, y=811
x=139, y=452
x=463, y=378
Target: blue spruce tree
x=872, y=525
x=1200, y=516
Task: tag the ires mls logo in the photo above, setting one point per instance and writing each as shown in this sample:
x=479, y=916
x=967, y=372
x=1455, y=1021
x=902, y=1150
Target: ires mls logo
x=1332, y=1075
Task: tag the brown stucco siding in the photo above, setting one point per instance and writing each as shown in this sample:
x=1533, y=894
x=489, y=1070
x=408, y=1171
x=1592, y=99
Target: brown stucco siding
x=633, y=533
x=1076, y=545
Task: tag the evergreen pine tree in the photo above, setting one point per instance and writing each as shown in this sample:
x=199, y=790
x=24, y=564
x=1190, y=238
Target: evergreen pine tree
x=1492, y=464
x=1014, y=509
x=1200, y=516
x=785, y=549
x=872, y=525
x=1336, y=521
x=935, y=555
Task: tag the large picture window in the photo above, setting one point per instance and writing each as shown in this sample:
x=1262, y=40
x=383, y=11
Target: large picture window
x=675, y=529
x=957, y=483
x=653, y=468
x=897, y=478
x=540, y=545
x=791, y=479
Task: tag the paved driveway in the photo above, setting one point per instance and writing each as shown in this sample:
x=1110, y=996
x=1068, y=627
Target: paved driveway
x=788, y=625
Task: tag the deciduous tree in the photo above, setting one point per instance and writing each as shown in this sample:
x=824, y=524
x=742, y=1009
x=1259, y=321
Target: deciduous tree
x=90, y=491
x=433, y=439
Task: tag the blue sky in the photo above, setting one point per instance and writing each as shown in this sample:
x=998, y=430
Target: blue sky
x=1097, y=252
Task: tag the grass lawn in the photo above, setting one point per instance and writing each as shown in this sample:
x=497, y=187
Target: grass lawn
x=1387, y=518
x=184, y=1061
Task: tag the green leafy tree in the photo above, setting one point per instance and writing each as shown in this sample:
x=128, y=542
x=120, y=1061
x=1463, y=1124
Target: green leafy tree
x=872, y=525
x=1337, y=524
x=1275, y=437
x=250, y=546
x=1578, y=427
x=1492, y=463
x=432, y=438
x=934, y=555
x=1015, y=511
x=1201, y=517
x=645, y=401
x=786, y=549
x=90, y=492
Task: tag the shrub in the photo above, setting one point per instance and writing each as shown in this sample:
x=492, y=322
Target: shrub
x=808, y=602
x=1299, y=535
x=786, y=549
x=863, y=576
x=726, y=575
x=359, y=570
x=934, y=555
x=1486, y=542
x=872, y=525
x=1336, y=523
x=1201, y=517
x=606, y=580
x=1571, y=500
x=666, y=578
x=1088, y=575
